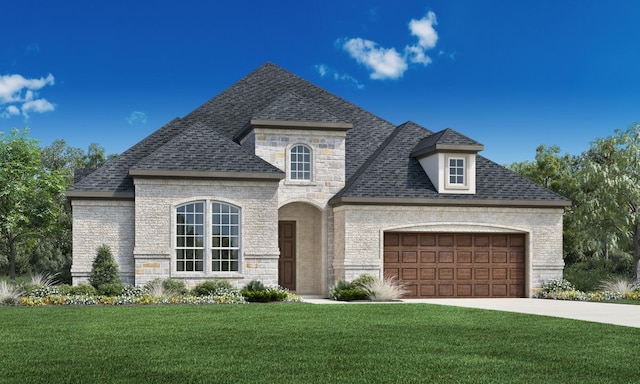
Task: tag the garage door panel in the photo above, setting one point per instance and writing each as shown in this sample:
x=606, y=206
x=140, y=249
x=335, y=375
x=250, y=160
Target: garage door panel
x=427, y=257
x=409, y=257
x=464, y=257
x=409, y=274
x=457, y=265
x=427, y=273
x=391, y=256
x=481, y=257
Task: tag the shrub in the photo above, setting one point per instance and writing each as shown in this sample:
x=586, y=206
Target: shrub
x=174, y=287
x=619, y=284
x=132, y=290
x=104, y=269
x=254, y=285
x=83, y=289
x=110, y=289
x=384, y=289
x=43, y=279
x=211, y=287
x=155, y=288
x=266, y=295
x=9, y=293
x=348, y=291
x=588, y=275
x=363, y=280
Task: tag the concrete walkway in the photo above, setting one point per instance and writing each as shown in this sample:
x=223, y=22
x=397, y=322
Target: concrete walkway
x=617, y=314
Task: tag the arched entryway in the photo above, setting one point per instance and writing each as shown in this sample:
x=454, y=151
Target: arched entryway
x=301, y=266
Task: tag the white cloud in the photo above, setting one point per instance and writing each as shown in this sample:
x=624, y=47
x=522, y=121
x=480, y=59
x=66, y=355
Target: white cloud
x=424, y=31
x=11, y=110
x=12, y=86
x=387, y=63
x=22, y=96
x=137, y=117
x=38, y=105
x=384, y=63
x=324, y=70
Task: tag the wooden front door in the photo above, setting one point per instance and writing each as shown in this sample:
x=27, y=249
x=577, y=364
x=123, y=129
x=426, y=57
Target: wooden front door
x=287, y=260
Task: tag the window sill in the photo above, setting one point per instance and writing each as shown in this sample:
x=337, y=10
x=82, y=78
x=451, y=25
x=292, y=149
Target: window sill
x=300, y=183
x=202, y=275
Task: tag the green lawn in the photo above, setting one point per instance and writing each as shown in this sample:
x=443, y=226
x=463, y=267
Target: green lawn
x=305, y=343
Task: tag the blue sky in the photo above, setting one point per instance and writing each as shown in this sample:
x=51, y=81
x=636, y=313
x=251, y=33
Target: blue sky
x=509, y=74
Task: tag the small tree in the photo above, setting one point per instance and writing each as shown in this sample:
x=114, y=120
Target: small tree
x=104, y=269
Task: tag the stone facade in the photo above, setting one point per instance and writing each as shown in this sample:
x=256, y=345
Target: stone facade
x=97, y=222
x=359, y=234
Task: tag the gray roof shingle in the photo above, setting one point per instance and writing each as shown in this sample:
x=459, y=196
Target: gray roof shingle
x=200, y=148
x=292, y=107
x=391, y=173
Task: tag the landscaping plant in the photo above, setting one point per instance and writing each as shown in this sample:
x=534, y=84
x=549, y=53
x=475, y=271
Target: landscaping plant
x=104, y=269
x=384, y=289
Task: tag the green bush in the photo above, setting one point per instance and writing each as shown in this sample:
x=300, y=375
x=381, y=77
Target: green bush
x=352, y=294
x=588, y=275
x=110, y=289
x=104, y=269
x=254, y=285
x=557, y=285
x=174, y=287
x=83, y=289
x=266, y=295
x=207, y=288
x=347, y=291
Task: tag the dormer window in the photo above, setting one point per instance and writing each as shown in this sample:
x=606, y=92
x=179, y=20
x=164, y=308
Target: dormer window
x=300, y=163
x=456, y=171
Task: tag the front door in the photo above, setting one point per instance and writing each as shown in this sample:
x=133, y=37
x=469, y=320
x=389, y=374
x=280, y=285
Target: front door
x=287, y=260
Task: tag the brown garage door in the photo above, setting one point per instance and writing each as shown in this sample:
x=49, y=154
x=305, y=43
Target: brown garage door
x=456, y=264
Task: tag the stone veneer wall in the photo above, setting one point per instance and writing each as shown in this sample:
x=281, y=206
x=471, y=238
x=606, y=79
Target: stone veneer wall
x=358, y=242
x=156, y=200
x=97, y=222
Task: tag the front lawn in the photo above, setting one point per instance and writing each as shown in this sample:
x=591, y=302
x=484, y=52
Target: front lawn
x=305, y=343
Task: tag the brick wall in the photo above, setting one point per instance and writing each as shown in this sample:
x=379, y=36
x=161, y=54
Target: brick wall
x=97, y=222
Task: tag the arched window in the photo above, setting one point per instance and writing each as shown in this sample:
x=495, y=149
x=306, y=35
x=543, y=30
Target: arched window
x=218, y=237
x=300, y=163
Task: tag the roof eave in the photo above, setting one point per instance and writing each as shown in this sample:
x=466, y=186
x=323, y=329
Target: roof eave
x=446, y=148
x=291, y=124
x=154, y=173
x=449, y=202
x=112, y=195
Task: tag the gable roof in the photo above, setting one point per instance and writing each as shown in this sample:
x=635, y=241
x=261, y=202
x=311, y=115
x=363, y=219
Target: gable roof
x=393, y=176
x=259, y=94
x=447, y=139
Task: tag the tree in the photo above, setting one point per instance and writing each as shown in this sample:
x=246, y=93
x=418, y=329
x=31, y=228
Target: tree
x=557, y=173
x=104, y=269
x=609, y=197
x=29, y=194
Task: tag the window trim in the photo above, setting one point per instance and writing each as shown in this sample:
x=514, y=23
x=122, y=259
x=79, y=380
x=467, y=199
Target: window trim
x=463, y=168
x=208, y=248
x=290, y=153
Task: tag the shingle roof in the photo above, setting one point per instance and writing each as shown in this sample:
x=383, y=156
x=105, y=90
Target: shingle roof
x=200, y=148
x=391, y=173
x=293, y=107
x=258, y=94
x=447, y=138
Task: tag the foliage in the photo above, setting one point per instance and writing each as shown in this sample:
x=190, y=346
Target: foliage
x=256, y=292
x=587, y=274
x=104, y=269
x=83, y=289
x=155, y=288
x=621, y=285
x=254, y=285
x=162, y=287
x=383, y=289
x=363, y=280
x=44, y=279
x=344, y=290
x=9, y=293
x=28, y=195
x=609, y=200
x=211, y=287
x=557, y=285
x=110, y=289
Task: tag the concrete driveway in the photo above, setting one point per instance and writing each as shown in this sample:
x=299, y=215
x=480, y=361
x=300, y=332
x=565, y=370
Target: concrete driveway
x=617, y=314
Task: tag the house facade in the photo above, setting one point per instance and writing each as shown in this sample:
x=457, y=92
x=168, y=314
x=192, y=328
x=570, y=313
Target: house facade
x=280, y=181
